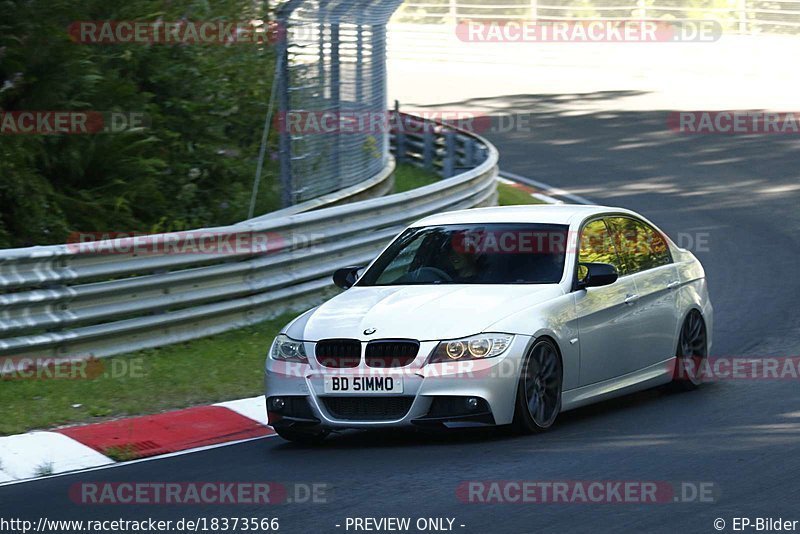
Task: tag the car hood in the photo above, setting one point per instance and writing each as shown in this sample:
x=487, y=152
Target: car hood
x=425, y=313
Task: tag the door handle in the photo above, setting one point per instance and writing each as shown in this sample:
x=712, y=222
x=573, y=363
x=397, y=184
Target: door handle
x=630, y=300
x=673, y=284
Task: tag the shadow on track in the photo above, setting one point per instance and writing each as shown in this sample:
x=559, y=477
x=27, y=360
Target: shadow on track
x=567, y=425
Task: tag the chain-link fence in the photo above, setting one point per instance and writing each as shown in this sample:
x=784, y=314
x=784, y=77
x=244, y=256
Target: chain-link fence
x=333, y=67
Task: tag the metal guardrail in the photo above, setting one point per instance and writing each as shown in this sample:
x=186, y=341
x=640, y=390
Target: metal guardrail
x=90, y=299
x=434, y=147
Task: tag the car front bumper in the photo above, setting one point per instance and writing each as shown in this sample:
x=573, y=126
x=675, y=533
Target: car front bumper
x=475, y=393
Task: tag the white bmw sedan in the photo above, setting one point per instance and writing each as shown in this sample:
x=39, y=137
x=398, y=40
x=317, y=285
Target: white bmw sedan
x=494, y=316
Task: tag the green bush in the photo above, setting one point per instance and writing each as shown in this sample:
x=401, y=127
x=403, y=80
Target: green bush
x=191, y=166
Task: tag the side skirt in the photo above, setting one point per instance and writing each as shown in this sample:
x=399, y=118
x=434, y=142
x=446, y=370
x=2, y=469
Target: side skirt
x=649, y=377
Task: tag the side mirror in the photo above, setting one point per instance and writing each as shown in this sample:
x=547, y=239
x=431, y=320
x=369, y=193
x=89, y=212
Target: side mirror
x=346, y=277
x=597, y=274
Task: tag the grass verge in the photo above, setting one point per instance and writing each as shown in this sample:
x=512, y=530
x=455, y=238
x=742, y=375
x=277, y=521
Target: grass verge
x=221, y=367
x=508, y=195
x=408, y=177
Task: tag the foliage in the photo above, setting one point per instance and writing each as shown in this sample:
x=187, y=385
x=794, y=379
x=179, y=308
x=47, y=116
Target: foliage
x=193, y=163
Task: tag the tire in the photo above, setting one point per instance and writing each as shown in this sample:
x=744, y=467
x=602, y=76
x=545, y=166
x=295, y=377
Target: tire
x=691, y=353
x=303, y=437
x=539, y=390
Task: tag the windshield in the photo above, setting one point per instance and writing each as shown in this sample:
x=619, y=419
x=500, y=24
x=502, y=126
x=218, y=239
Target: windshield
x=472, y=254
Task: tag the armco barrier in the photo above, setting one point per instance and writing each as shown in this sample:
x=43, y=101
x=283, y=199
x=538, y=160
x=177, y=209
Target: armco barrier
x=73, y=301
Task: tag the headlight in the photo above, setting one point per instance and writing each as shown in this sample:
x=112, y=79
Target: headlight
x=286, y=349
x=471, y=348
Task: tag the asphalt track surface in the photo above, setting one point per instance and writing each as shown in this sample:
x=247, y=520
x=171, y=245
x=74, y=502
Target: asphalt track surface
x=740, y=195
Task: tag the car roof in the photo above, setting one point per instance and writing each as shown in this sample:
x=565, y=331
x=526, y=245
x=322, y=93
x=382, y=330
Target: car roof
x=539, y=213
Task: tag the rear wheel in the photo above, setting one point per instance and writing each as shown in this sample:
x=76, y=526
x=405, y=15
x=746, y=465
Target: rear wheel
x=539, y=390
x=691, y=354
x=302, y=437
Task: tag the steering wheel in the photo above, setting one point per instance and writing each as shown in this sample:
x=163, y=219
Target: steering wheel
x=436, y=273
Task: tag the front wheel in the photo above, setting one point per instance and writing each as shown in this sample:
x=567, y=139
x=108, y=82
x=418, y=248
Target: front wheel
x=691, y=354
x=539, y=391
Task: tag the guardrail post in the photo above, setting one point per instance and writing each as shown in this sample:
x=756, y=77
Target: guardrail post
x=469, y=152
x=427, y=147
x=399, y=134
x=450, y=156
x=743, y=16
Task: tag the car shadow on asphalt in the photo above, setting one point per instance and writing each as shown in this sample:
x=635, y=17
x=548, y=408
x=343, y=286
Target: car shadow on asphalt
x=575, y=422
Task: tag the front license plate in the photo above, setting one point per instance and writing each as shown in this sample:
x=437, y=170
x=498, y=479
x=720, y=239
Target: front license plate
x=363, y=384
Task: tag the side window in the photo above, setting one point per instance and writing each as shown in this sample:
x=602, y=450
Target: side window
x=596, y=246
x=640, y=246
